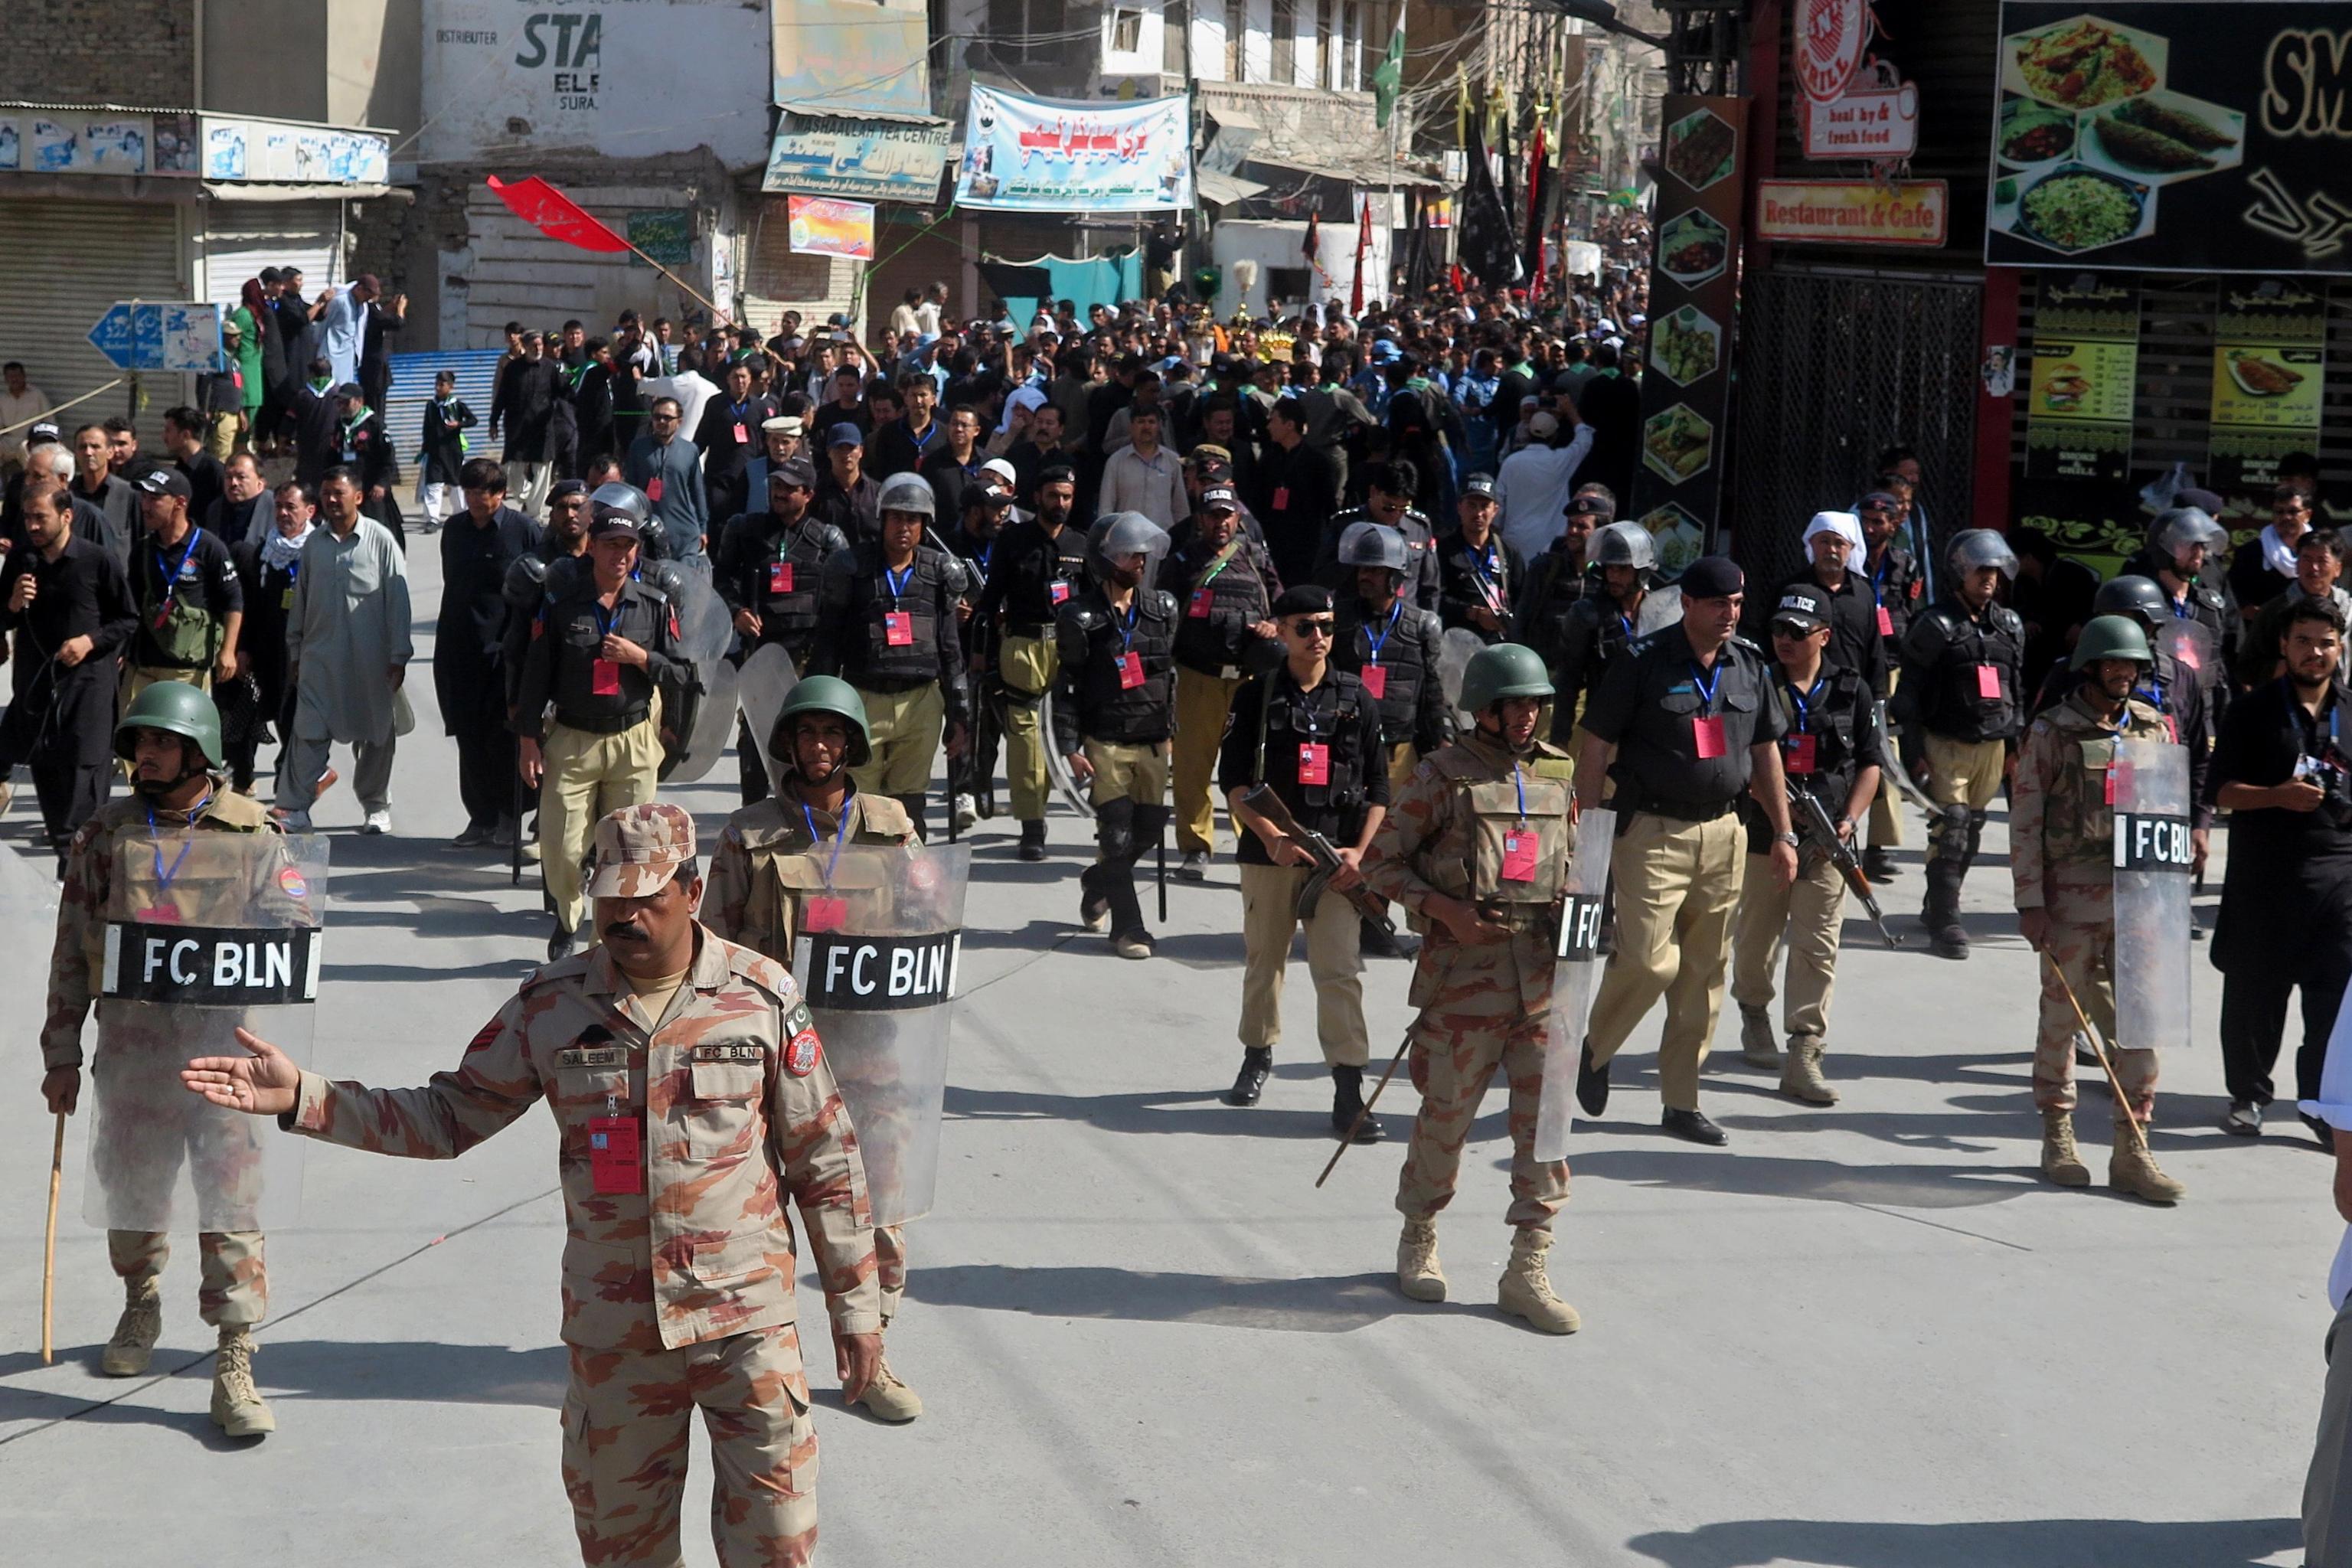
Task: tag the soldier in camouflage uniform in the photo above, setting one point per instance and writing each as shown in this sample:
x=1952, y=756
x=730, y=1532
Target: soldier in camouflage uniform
x=1478, y=847
x=691, y=1095
x=171, y=737
x=771, y=868
x=2062, y=838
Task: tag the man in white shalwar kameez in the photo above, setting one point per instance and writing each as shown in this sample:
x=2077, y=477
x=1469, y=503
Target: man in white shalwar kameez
x=348, y=643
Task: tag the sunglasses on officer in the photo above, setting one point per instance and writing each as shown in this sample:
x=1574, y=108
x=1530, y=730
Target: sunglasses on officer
x=1313, y=626
x=1791, y=631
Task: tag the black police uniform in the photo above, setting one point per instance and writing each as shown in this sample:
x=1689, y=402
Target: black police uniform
x=974, y=772
x=1556, y=581
x=560, y=666
x=772, y=569
x=857, y=599
x=1594, y=630
x=2209, y=603
x=1272, y=719
x=1118, y=687
x=1654, y=705
x=1222, y=594
x=1492, y=577
x=1855, y=640
x=1895, y=586
x=1960, y=677
x=1401, y=643
x=1831, y=734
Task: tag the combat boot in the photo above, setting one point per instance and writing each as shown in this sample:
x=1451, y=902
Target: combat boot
x=1524, y=1289
x=1941, y=912
x=1418, y=1274
x=888, y=1399
x=1758, y=1048
x=2133, y=1169
x=1801, y=1076
x=2059, y=1161
x=1348, y=1105
x=135, y=1333
x=238, y=1407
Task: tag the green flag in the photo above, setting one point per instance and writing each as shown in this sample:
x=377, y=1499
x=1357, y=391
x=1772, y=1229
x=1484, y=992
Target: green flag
x=1388, y=76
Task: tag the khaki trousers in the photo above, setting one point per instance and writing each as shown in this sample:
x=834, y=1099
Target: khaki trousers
x=904, y=729
x=1886, y=806
x=1808, y=913
x=1677, y=884
x=1269, y=916
x=1122, y=772
x=1962, y=773
x=1201, y=703
x=1402, y=761
x=587, y=775
x=1028, y=665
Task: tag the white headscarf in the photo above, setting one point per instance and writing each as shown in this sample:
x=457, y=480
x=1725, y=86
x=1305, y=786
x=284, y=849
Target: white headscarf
x=1846, y=525
x=1023, y=397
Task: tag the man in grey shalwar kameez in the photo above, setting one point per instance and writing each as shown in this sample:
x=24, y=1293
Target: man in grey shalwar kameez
x=347, y=637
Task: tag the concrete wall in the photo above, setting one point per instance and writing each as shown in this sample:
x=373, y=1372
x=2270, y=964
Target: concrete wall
x=141, y=53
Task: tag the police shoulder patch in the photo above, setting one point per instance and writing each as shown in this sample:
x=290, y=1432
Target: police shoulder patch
x=802, y=1052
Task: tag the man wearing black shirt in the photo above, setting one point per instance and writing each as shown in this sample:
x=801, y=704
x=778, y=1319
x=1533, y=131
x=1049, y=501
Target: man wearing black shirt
x=191, y=607
x=468, y=657
x=183, y=435
x=524, y=404
x=730, y=437
x=1300, y=492
x=2282, y=769
x=901, y=446
x=66, y=600
x=846, y=495
x=1039, y=565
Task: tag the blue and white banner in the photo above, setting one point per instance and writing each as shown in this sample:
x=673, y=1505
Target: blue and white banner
x=1035, y=154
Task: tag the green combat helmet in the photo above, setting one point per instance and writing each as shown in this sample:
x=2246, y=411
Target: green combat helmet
x=822, y=694
x=175, y=708
x=1505, y=669
x=2111, y=636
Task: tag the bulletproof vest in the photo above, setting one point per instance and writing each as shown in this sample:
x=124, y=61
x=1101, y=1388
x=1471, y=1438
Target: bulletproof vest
x=783, y=569
x=1513, y=841
x=1108, y=710
x=1403, y=653
x=1235, y=590
x=1962, y=710
x=2078, y=820
x=787, y=869
x=182, y=629
x=1830, y=719
x=924, y=589
x=1896, y=582
x=1293, y=719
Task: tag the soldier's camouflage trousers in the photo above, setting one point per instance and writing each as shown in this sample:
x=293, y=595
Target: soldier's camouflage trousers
x=1476, y=1016
x=890, y=1266
x=2083, y=942
x=624, y=1448
x=232, y=1287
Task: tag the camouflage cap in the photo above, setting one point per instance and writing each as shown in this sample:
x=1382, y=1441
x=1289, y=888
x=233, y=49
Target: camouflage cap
x=639, y=848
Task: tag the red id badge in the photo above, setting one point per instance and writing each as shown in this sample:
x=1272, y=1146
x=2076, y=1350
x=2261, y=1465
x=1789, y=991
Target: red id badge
x=1800, y=753
x=1886, y=621
x=604, y=679
x=1203, y=600
x=2108, y=779
x=654, y=488
x=1314, y=763
x=822, y=913
x=1989, y=681
x=897, y=628
x=1707, y=736
x=614, y=1163
x=1131, y=670
x=1376, y=681
x=1282, y=498
x=1060, y=592
x=780, y=577
x=1520, y=856
x=158, y=915
x=742, y=434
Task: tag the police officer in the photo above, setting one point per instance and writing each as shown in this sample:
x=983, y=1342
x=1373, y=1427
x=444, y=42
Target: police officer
x=1598, y=626
x=563, y=541
x=1683, y=725
x=1480, y=578
x=171, y=737
x=1113, y=714
x=1392, y=646
x=1894, y=588
x=1311, y=732
x=1226, y=582
x=767, y=570
x=1388, y=491
x=770, y=877
x=591, y=742
x=886, y=623
x=2181, y=557
x=691, y=1098
x=985, y=502
x=1040, y=563
x=1830, y=752
x=1963, y=660
x=2061, y=858
x=1477, y=847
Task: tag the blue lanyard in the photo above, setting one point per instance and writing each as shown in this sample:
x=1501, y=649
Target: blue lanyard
x=1127, y=632
x=2181, y=608
x=1482, y=567
x=1803, y=700
x=922, y=442
x=739, y=409
x=1394, y=611
x=1520, y=782
x=172, y=576
x=840, y=836
x=1705, y=682
x=163, y=880
x=1626, y=621
x=897, y=581
x=605, y=620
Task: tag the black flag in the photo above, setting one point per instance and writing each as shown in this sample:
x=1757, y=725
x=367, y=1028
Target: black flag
x=1488, y=248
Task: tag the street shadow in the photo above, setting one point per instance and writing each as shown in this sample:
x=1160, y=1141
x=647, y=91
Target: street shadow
x=301, y=1368
x=1201, y=950
x=1028, y=873
x=1201, y=1111
x=2008, y=1543
x=1740, y=1173
x=1336, y=1305
x=1035, y=936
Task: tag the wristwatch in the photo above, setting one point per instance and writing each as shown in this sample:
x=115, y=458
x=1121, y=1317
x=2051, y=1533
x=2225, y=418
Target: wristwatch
x=1791, y=840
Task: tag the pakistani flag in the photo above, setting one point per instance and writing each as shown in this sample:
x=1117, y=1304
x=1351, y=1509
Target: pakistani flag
x=1388, y=76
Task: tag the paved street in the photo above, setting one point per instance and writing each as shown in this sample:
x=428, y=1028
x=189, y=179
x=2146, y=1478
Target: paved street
x=1866, y=1337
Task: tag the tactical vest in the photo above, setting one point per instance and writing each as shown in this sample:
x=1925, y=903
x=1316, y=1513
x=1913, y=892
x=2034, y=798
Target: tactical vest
x=788, y=867
x=927, y=586
x=1961, y=709
x=1235, y=590
x=1489, y=836
x=1829, y=719
x=187, y=634
x=192, y=900
x=1286, y=721
x=780, y=577
x=1127, y=715
x=2078, y=819
x=1404, y=656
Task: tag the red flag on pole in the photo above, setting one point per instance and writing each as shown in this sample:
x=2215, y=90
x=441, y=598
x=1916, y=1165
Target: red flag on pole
x=555, y=215
x=1363, y=249
x=1313, y=243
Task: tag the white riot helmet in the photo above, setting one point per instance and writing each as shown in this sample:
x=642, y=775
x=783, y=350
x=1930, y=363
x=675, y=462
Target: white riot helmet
x=1622, y=545
x=1372, y=544
x=1974, y=547
x=908, y=492
x=2181, y=527
x=1126, y=533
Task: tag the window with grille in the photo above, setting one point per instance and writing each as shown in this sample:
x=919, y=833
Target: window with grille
x=1126, y=31
x=1029, y=29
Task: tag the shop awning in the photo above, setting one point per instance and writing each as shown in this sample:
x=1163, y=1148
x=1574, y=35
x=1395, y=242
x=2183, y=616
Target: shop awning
x=1223, y=190
x=1371, y=174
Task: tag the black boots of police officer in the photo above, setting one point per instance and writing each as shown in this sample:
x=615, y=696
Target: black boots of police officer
x=1249, y=1084
x=1348, y=1105
x=1958, y=837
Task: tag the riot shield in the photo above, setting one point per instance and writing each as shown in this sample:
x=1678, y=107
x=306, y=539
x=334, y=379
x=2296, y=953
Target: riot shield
x=698, y=708
x=29, y=913
x=875, y=958
x=1455, y=652
x=204, y=934
x=1660, y=607
x=2192, y=644
x=1058, y=766
x=1576, y=970
x=2154, y=854
x=766, y=679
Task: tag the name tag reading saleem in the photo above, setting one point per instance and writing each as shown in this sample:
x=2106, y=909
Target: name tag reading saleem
x=210, y=966
x=591, y=1057
x=2150, y=842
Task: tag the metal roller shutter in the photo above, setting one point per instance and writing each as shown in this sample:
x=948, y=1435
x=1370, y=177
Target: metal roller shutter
x=242, y=237
x=67, y=261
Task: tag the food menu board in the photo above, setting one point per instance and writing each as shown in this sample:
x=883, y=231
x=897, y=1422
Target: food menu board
x=2172, y=135
x=1677, y=492
x=2078, y=413
x=2270, y=356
